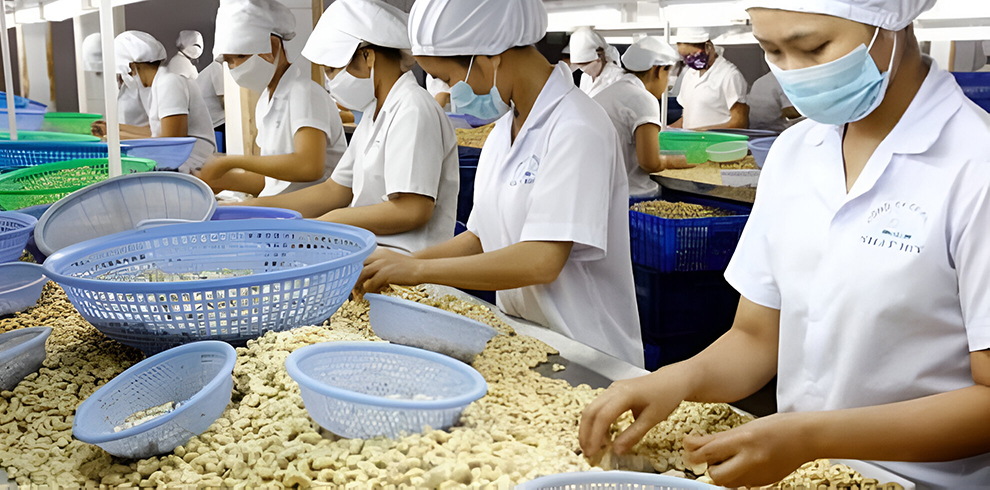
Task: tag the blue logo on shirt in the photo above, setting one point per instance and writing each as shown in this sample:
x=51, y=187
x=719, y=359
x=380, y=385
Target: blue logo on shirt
x=526, y=171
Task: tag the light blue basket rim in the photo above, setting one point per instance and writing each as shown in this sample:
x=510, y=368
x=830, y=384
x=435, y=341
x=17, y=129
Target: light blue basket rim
x=75, y=252
x=762, y=143
x=41, y=335
x=28, y=221
x=405, y=303
x=479, y=389
x=54, y=145
x=90, y=436
x=158, y=142
x=36, y=268
x=612, y=477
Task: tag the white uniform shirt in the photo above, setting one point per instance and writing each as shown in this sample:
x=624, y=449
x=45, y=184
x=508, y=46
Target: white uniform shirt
x=410, y=148
x=882, y=292
x=173, y=95
x=435, y=86
x=563, y=181
x=707, y=98
x=608, y=76
x=180, y=65
x=629, y=105
x=767, y=102
x=298, y=103
x=210, y=84
x=131, y=105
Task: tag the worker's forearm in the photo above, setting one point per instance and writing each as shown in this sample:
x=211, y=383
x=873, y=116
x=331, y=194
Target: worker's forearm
x=515, y=266
x=462, y=245
x=129, y=132
x=385, y=218
x=312, y=202
x=292, y=167
x=943, y=427
x=734, y=367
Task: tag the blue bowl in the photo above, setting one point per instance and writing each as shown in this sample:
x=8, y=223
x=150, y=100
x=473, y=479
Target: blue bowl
x=20, y=286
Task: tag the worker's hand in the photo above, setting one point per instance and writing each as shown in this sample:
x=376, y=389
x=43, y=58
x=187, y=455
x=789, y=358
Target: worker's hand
x=213, y=170
x=385, y=267
x=759, y=453
x=675, y=162
x=651, y=398
x=99, y=129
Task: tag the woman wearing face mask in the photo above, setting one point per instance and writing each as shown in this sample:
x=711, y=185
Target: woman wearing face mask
x=190, y=45
x=863, y=268
x=299, y=131
x=713, y=91
x=130, y=108
x=632, y=105
x=549, y=230
x=399, y=177
x=597, y=60
x=174, y=105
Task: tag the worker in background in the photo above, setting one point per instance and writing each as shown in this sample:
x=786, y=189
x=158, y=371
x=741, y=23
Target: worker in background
x=863, y=268
x=550, y=226
x=190, y=46
x=130, y=102
x=597, y=59
x=175, y=107
x=210, y=82
x=299, y=131
x=399, y=178
x=632, y=105
x=713, y=91
x=769, y=107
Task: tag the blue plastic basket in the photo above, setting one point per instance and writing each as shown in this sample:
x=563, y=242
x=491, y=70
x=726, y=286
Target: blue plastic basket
x=198, y=376
x=30, y=115
x=976, y=86
x=369, y=389
x=22, y=352
x=224, y=213
x=612, y=480
x=700, y=244
x=303, y=271
x=761, y=148
x=20, y=286
x=20, y=102
x=168, y=153
x=15, y=229
x=20, y=154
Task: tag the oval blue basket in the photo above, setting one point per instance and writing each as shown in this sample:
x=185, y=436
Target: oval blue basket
x=15, y=230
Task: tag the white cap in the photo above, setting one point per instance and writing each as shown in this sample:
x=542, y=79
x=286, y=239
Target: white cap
x=892, y=15
x=475, y=27
x=585, y=43
x=348, y=22
x=694, y=35
x=189, y=38
x=92, y=53
x=647, y=53
x=136, y=47
x=246, y=26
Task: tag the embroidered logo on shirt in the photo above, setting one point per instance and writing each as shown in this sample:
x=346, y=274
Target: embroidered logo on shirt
x=526, y=171
x=896, y=225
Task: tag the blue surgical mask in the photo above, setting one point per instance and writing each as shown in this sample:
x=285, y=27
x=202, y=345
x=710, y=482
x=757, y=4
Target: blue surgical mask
x=838, y=92
x=488, y=107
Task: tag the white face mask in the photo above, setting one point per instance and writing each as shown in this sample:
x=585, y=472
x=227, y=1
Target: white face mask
x=254, y=74
x=351, y=92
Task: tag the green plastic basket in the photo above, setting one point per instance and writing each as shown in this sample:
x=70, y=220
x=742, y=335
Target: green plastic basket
x=45, y=184
x=70, y=122
x=49, y=136
x=695, y=144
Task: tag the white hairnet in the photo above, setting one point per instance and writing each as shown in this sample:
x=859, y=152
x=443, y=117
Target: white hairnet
x=694, y=35
x=475, y=27
x=649, y=52
x=188, y=38
x=585, y=43
x=246, y=26
x=136, y=47
x=348, y=22
x=92, y=53
x=892, y=15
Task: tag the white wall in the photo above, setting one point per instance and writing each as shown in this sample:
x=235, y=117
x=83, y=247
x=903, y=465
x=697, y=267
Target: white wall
x=34, y=55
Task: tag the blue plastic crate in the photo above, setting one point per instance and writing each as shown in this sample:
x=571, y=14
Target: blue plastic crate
x=700, y=244
x=469, y=169
x=976, y=86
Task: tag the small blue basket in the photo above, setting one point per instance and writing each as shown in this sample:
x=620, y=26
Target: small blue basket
x=22, y=352
x=198, y=376
x=21, y=284
x=225, y=213
x=303, y=270
x=15, y=230
x=612, y=480
x=370, y=389
x=30, y=115
x=168, y=153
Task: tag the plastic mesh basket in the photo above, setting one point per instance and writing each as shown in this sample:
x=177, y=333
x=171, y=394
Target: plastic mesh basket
x=22, y=352
x=612, y=480
x=21, y=284
x=36, y=136
x=45, y=184
x=369, y=389
x=224, y=213
x=70, y=122
x=198, y=376
x=302, y=272
x=30, y=115
x=20, y=154
x=15, y=229
x=169, y=153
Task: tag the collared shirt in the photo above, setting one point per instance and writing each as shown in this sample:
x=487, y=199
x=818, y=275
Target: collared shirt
x=882, y=291
x=707, y=98
x=174, y=95
x=629, y=105
x=610, y=73
x=132, y=105
x=562, y=180
x=210, y=84
x=410, y=148
x=298, y=103
x=182, y=66
x=767, y=102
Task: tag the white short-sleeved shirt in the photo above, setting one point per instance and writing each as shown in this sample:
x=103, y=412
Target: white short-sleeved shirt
x=767, y=102
x=173, y=95
x=298, y=103
x=610, y=73
x=562, y=180
x=707, y=98
x=182, y=66
x=131, y=105
x=629, y=105
x=882, y=292
x=210, y=83
x=410, y=148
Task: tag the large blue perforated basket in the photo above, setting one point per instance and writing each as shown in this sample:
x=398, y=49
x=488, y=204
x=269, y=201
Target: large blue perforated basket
x=302, y=272
x=612, y=480
x=20, y=154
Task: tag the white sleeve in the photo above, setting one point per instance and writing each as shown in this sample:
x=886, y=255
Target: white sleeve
x=173, y=96
x=970, y=243
x=343, y=173
x=750, y=271
x=643, y=108
x=735, y=89
x=415, y=148
x=436, y=86
x=310, y=107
